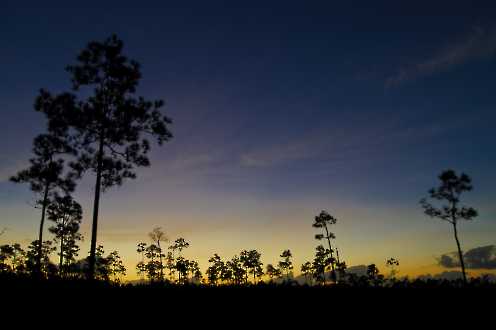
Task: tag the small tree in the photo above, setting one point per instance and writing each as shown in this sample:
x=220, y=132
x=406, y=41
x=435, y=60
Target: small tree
x=116, y=266
x=237, y=269
x=226, y=272
x=141, y=267
x=323, y=221
x=272, y=272
x=108, y=268
x=152, y=266
x=321, y=263
x=194, y=269
x=102, y=271
x=341, y=269
x=157, y=235
x=47, y=268
x=255, y=265
x=5, y=255
x=374, y=275
x=448, y=194
x=170, y=265
x=179, y=245
x=286, y=265
x=66, y=215
x=392, y=263
x=214, y=270
x=245, y=261
x=45, y=174
x=182, y=266
x=307, y=271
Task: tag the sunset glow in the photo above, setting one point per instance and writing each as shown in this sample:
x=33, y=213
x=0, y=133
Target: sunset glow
x=278, y=113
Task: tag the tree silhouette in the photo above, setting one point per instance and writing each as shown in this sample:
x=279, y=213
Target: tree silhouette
x=196, y=274
x=372, y=271
x=170, y=265
x=214, y=270
x=141, y=267
x=320, y=263
x=5, y=255
x=45, y=174
x=392, y=263
x=157, y=236
x=374, y=276
x=179, y=264
x=286, y=265
x=237, y=270
x=179, y=245
x=227, y=271
x=251, y=264
x=272, y=272
x=110, y=267
x=307, y=271
x=323, y=220
x=182, y=267
x=110, y=123
x=32, y=258
x=12, y=258
x=254, y=264
x=102, y=271
x=341, y=269
x=66, y=215
x=116, y=266
x=153, y=265
x=448, y=194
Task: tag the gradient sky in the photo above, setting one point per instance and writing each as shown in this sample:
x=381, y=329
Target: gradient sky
x=280, y=110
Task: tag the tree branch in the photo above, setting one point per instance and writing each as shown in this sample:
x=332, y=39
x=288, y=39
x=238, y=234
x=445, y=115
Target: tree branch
x=112, y=150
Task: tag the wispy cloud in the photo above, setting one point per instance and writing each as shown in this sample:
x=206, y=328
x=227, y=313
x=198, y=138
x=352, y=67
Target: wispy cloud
x=279, y=154
x=353, y=142
x=479, y=43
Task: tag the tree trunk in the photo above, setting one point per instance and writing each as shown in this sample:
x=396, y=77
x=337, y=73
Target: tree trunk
x=61, y=260
x=333, y=273
x=40, y=235
x=91, y=272
x=460, y=254
x=161, y=263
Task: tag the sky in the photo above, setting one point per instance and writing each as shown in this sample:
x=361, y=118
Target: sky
x=280, y=110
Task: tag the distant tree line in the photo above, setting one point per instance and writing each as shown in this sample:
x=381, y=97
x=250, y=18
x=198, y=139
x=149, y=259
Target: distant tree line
x=19, y=262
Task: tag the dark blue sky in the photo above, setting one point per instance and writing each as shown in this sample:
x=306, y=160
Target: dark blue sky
x=276, y=103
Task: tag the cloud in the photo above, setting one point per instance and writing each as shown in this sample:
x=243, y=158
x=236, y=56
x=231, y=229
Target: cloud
x=351, y=142
x=479, y=43
x=483, y=257
x=449, y=261
x=278, y=154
